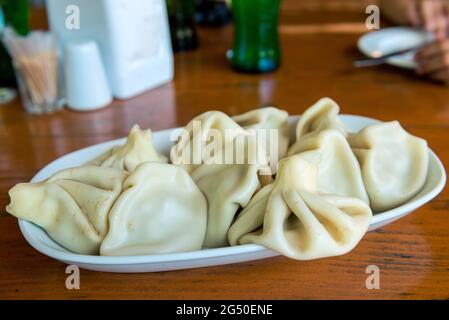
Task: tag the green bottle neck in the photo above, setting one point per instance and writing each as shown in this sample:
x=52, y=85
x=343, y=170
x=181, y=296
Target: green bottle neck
x=17, y=15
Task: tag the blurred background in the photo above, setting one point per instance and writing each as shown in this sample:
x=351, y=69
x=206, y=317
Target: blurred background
x=131, y=44
x=159, y=63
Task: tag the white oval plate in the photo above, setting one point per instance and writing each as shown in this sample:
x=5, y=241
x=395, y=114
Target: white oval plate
x=389, y=40
x=37, y=237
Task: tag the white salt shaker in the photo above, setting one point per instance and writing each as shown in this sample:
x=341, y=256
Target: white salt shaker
x=133, y=37
x=85, y=78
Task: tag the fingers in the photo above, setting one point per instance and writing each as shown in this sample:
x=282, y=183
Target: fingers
x=434, y=16
x=414, y=14
x=432, y=49
x=440, y=20
x=445, y=10
x=441, y=76
x=426, y=8
x=434, y=64
x=433, y=61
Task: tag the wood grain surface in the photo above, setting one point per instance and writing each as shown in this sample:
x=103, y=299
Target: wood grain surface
x=319, y=44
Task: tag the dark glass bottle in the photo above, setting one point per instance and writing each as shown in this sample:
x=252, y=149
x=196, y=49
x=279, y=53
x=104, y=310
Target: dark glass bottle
x=181, y=14
x=16, y=15
x=212, y=13
x=256, y=40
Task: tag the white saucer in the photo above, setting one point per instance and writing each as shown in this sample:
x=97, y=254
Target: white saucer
x=393, y=39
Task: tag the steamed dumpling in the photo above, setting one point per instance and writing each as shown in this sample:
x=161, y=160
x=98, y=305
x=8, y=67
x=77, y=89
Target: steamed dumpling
x=138, y=148
x=228, y=187
x=321, y=116
x=394, y=163
x=160, y=210
x=228, y=168
x=200, y=136
x=292, y=216
x=72, y=206
x=267, y=119
x=338, y=169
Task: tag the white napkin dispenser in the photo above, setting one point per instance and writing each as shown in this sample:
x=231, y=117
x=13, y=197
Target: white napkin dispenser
x=133, y=37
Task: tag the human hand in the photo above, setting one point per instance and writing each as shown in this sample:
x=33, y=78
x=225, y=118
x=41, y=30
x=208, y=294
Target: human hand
x=433, y=61
x=432, y=15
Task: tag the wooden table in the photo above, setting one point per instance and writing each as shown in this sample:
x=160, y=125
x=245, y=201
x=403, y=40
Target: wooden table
x=318, y=40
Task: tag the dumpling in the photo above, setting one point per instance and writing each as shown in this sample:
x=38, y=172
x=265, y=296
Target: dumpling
x=138, y=148
x=203, y=138
x=293, y=217
x=229, y=167
x=267, y=119
x=229, y=187
x=321, y=116
x=72, y=206
x=394, y=163
x=160, y=210
x=338, y=169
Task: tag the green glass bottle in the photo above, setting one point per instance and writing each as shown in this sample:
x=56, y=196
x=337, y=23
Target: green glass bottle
x=256, y=40
x=16, y=15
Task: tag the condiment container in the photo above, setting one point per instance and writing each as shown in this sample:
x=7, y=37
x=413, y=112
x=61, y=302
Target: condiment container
x=133, y=37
